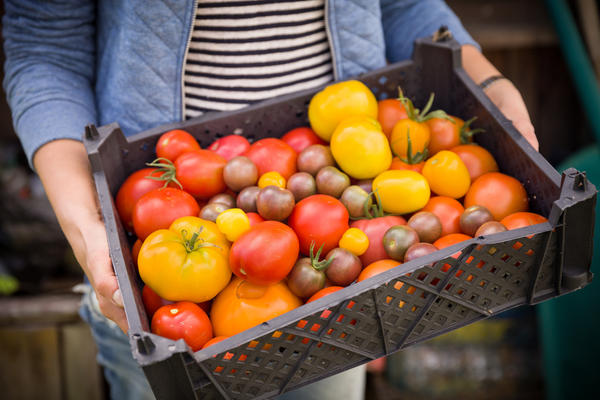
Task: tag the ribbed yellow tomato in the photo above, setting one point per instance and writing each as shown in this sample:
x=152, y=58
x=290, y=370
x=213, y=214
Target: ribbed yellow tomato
x=447, y=174
x=337, y=102
x=188, y=261
x=360, y=148
x=401, y=191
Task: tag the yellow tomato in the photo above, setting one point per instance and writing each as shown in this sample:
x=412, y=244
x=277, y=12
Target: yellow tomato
x=419, y=135
x=355, y=241
x=447, y=174
x=360, y=148
x=337, y=102
x=273, y=178
x=401, y=191
x=232, y=223
x=187, y=262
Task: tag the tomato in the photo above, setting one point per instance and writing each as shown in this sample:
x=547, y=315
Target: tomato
x=302, y=137
x=401, y=191
x=397, y=163
x=243, y=305
x=447, y=174
x=271, y=178
x=360, y=148
x=324, y=292
x=183, y=320
x=499, y=193
x=377, y=268
x=405, y=130
x=389, y=112
x=522, y=219
x=265, y=253
x=174, y=143
x=188, y=261
x=152, y=301
x=200, y=173
x=445, y=134
x=135, y=250
x=320, y=219
x=449, y=240
x=355, y=241
x=477, y=159
x=254, y=218
x=271, y=154
x=135, y=186
x=448, y=210
x=337, y=102
x=230, y=146
x=233, y=223
x=158, y=208
x=214, y=340
x=375, y=229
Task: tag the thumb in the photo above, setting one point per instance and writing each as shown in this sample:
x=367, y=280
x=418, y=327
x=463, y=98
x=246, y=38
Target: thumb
x=117, y=298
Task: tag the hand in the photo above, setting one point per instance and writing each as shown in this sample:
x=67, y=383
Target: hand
x=64, y=169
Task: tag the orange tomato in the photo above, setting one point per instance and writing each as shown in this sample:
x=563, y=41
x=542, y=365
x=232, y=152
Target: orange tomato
x=477, y=159
x=376, y=268
x=448, y=210
x=445, y=134
x=214, y=340
x=389, y=112
x=135, y=250
x=522, y=219
x=449, y=240
x=324, y=292
x=243, y=305
x=405, y=129
x=397, y=163
x=501, y=194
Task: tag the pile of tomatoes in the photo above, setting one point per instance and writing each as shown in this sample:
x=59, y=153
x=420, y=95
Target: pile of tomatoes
x=236, y=234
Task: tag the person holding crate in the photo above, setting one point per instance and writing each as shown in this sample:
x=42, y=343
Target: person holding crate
x=143, y=64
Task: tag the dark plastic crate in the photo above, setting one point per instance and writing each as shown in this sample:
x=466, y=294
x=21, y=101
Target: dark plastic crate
x=391, y=311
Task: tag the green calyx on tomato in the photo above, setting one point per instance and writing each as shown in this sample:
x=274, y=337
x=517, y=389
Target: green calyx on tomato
x=373, y=209
x=168, y=170
x=314, y=258
x=466, y=133
x=412, y=159
x=195, y=242
x=421, y=115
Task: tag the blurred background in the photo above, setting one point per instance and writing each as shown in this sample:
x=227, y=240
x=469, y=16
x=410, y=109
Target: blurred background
x=542, y=352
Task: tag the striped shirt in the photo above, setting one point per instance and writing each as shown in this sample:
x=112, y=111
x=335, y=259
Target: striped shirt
x=242, y=52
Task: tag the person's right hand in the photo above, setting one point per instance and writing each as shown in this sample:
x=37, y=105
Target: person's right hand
x=64, y=169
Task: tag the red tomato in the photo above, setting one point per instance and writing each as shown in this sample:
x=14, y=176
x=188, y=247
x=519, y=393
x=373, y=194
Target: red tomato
x=389, y=112
x=501, y=194
x=214, y=340
x=264, y=254
x=375, y=229
x=174, y=143
x=200, y=173
x=158, y=208
x=448, y=210
x=302, y=137
x=449, y=240
x=135, y=186
x=324, y=292
x=183, y=320
x=254, y=218
x=397, y=163
x=522, y=219
x=230, y=146
x=152, y=301
x=319, y=218
x=478, y=160
x=135, y=250
x=272, y=154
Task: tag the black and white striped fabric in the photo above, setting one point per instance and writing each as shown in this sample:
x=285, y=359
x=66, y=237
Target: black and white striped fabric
x=242, y=52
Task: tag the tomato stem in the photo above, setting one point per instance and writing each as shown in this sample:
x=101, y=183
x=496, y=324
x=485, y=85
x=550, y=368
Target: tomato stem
x=314, y=258
x=466, y=133
x=168, y=170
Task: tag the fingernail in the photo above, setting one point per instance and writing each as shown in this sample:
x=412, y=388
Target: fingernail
x=117, y=298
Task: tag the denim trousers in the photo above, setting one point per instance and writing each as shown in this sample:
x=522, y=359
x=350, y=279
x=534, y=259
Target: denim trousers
x=128, y=382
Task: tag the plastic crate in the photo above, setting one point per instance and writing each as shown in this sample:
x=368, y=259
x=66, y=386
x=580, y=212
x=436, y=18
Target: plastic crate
x=390, y=311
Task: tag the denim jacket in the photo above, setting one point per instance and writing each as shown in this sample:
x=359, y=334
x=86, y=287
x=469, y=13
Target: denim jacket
x=74, y=62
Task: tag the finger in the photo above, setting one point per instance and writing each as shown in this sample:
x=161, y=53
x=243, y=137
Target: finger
x=527, y=130
x=113, y=312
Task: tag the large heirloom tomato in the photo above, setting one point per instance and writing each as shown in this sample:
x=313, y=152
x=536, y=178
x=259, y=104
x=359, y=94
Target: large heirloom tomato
x=360, y=148
x=265, y=253
x=183, y=320
x=320, y=219
x=337, y=102
x=271, y=154
x=158, y=208
x=188, y=261
x=499, y=193
x=243, y=305
x=200, y=173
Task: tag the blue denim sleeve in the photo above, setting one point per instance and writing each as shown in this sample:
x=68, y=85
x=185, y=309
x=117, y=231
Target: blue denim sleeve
x=407, y=20
x=49, y=69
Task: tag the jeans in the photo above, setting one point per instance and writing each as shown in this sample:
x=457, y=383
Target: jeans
x=128, y=382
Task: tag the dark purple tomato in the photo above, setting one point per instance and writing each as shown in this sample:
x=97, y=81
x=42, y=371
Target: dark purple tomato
x=302, y=185
x=427, y=225
x=211, y=211
x=418, y=250
x=223, y=198
x=239, y=173
x=313, y=158
x=344, y=267
x=275, y=203
x=332, y=181
x=304, y=280
x=473, y=217
x=398, y=239
x=246, y=199
x=354, y=198
x=489, y=228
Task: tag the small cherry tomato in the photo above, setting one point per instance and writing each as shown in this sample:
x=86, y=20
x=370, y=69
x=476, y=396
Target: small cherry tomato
x=271, y=178
x=174, y=143
x=233, y=223
x=447, y=174
x=355, y=241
